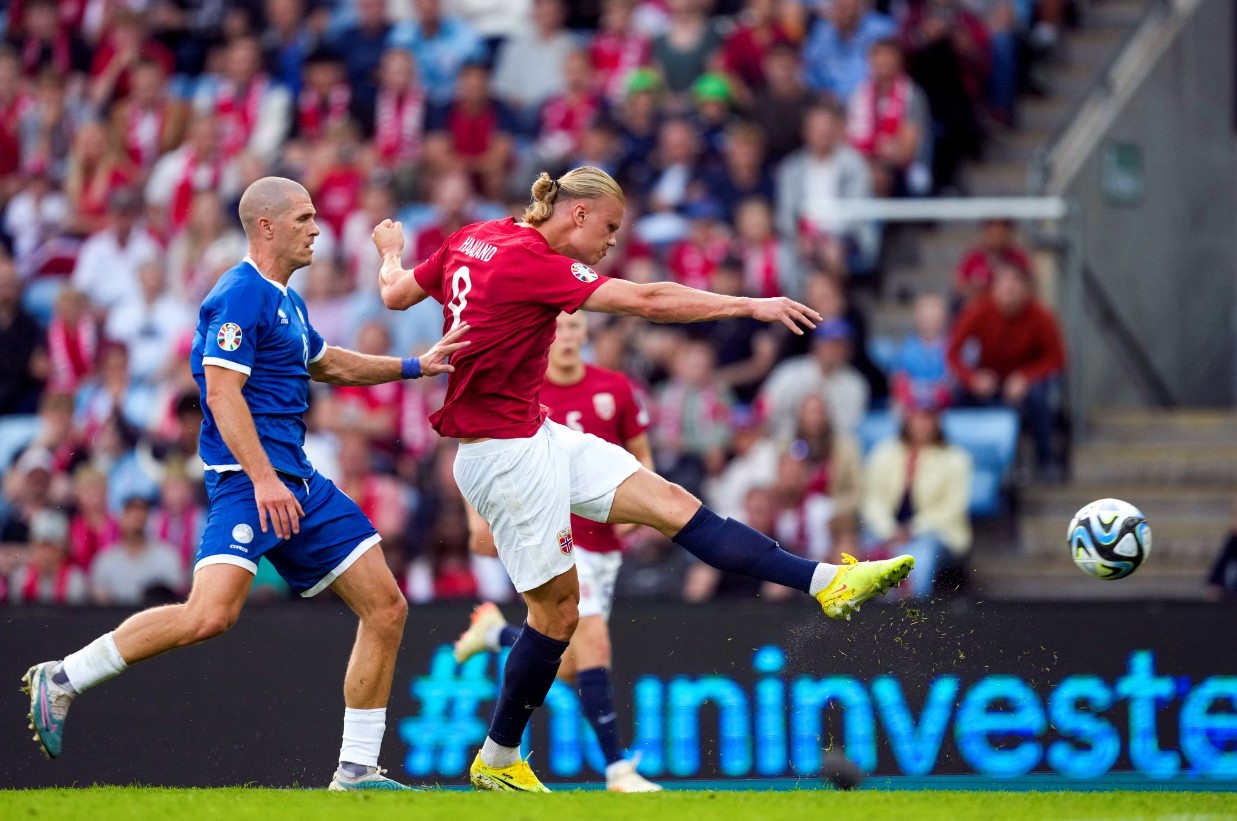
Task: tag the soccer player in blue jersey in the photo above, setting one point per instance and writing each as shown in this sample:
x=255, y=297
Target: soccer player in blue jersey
x=254, y=354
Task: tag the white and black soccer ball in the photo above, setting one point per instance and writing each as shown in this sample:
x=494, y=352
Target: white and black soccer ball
x=1109, y=539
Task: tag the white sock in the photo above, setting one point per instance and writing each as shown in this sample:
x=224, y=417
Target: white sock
x=494, y=754
x=493, y=637
x=363, y=731
x=94, y=663
x=824, y=574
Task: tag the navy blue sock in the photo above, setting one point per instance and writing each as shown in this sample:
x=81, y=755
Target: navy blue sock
x=597, y=703
x=508, y=635
x=734, y=547
x=531, y=667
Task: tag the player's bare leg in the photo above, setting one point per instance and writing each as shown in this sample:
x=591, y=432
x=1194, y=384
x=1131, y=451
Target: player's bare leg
x=371, y=591
x=214, y=604
x=648, y=499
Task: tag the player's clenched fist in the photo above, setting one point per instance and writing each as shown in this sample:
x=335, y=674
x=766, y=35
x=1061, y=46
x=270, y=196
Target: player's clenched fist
x=389, y=238
x=786, y=311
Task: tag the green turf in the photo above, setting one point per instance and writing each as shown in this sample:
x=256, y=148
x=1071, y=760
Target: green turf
x=243, y=804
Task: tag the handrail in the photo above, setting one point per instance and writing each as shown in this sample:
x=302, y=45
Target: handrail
x=1054, y=166
x=1128, y=342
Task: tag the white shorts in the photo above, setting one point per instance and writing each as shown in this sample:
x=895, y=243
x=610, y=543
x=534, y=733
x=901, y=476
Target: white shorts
x=527, y=490
x=598, y=572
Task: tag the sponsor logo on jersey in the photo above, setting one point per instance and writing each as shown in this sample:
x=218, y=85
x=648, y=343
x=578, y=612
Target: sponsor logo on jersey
x=605, y=406
x=582, y=272
x=230, y=336
x=243, y=533
x=564, y=541
x=283, y=318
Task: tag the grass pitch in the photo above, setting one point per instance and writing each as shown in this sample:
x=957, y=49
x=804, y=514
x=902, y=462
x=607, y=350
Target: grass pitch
x=240, y=804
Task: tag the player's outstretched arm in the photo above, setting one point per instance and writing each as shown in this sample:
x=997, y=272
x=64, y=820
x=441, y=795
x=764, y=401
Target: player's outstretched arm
x=397, y=286
x=235, y=422
x=340, y=366
x=671, y=302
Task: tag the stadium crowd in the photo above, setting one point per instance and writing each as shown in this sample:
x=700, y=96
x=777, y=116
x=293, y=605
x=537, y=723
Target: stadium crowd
x=128, y=129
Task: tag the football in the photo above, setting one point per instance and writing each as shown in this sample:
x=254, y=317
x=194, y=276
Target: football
x=1109, y=539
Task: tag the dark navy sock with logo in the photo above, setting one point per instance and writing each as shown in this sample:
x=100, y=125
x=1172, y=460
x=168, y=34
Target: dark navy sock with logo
x=736, y=548
x=508, y=635
x=597, y=704
x=531, y=667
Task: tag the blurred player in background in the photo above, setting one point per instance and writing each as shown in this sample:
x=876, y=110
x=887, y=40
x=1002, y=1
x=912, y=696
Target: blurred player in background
x=525, y=475
x=254, y=354
x=604, y=403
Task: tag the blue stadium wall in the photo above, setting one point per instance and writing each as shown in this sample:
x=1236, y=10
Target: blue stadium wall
x=960, y=692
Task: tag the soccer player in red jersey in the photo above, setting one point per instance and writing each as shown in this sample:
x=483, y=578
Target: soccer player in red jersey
x=526, y=475
x=604, y=403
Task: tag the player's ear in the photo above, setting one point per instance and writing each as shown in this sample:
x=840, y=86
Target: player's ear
x=578, y=211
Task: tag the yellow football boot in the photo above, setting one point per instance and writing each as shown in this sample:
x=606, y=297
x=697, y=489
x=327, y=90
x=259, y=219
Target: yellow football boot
x=857, y=581
x=518, y=777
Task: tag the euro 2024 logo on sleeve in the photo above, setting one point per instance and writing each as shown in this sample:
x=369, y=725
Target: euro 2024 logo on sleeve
x=582, y=272
x=229, y=336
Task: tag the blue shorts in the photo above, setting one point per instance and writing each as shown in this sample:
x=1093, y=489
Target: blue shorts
x=334, y=531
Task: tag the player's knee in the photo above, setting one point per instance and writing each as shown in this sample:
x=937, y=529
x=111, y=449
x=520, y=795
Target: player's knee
x=680, y=507
x=211, y=624
x=390, y=615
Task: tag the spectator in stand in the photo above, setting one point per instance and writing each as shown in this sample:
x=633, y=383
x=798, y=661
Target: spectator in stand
x=179, y=519
x=396, y=122
x=810, y=184
x=692, y=431
x=683, y=51
x=92, y=527
x=361, y=46
x=827, y=294
x=124, y=46
x=454, y=207
x=72, y=342
x=743, y=173
x=107, y=267
x=193, y=255
x=97, y=169
x=825, y=372
x=190, y=28
x=136, y=567
x=757, y=245
x=674, y=169
x=887, y=122
x=328, y=294
x=373, y=410
x=15, y=101
x=639, y=124
x=47, y=128
x=252, y=109
x=112, y=390
x=25, y=365
x=1006, y=349
x=760, y=26
x=834, y=472
x=746, y=350
x=473, y=134
x=780, y=107
x=947, y=54
x=27, y=491
x=712, y=96
x=44, y=43
x=916, y=491
x=287, y=42
x=919, y=373
x=325, y=99
x=803, y=513
x=114, y=452
x=200, y=164
x=530, y=66
x=334, y=178
x=442, y=46
x=48, y=577
x=836, y=53
x=693, y=259
x=34, y=220
x=998, y=244
x=382, y=497
x=566, y=117
x=360, y=257
x=754, y=457
x=149, y=121
x=60, y=438
x=1222, y=580
x=148, y=323
x=618, y=49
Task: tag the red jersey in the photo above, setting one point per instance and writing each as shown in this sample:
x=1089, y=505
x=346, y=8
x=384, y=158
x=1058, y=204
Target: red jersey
x=604, y=404
x=505, y=281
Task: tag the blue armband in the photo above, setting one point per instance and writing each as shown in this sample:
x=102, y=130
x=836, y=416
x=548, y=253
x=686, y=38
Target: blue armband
x=410, y=368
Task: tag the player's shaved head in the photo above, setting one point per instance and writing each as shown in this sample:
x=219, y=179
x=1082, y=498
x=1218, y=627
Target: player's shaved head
x=269, y=197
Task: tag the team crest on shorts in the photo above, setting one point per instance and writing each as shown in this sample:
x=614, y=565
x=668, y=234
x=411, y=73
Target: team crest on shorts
x=230, y=336
x=242, y=533
x=564, y=541
x=582, y=272
x=605, y=406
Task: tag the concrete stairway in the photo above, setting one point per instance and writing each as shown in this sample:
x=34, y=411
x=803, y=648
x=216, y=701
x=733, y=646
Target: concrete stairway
x=1178, y=467
x=924, y=260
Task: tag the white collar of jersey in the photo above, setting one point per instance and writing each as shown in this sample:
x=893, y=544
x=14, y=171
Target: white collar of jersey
x=282, y=288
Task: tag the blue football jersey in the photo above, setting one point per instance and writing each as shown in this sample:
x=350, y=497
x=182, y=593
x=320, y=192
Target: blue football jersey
x=256, y=326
